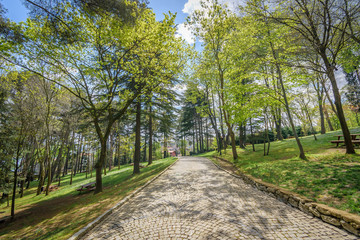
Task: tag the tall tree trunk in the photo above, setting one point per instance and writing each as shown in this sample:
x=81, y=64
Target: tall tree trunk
x=241, y=136
x=165, y=147
x=223, y=143
x=19, y=144
x=14, y=188
x=24, y=173
x=244, y=132
x=331, y=128
x=111, y=150
x=310, y=121
x=202, y=134
x=145, y=147
x=81, y=159
x=137, y=153
x=41, y=176
x=320, y=96
x=119, y=151
x=193, y=137
x=277, y=121
x=68, y=156
x=329, y=99
x=99, y=165
x=87, y=166
x=78, y=154
x=49, y=177
x=92, y=164
x=226, y=116
x=150, y=135
x=302, y=153
x=252, y=136
x=322, y=119
x=196, y=134
x=72, y=160
x=340, y=112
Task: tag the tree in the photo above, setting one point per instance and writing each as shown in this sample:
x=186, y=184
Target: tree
x=112, y=61
x=318, y=24
x=212, y=24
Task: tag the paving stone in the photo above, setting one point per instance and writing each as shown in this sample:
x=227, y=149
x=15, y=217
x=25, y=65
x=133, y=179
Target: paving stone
x=196, y=200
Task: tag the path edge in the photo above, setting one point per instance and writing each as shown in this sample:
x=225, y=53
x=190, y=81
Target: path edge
x=82, y=232
x=341, y=219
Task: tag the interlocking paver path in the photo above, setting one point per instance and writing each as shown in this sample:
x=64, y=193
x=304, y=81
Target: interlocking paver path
x=196, y=200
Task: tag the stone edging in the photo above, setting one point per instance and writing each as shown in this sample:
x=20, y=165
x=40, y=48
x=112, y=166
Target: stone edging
x=91, y=225
x=336, y=217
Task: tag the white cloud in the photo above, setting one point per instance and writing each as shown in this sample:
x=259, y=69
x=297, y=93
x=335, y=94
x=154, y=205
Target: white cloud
x=185, y=33
x=192, y=5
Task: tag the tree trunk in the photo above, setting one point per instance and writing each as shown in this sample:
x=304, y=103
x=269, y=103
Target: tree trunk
x=202, y=134
x=233, y=143
x=252, y=136
x=340, y=113
x=78, y=155
x=207, y=134
x=145, y=148
x=24, y=173
x=150, y=135
x=165, y=147
x=68, y=156
x=99, y=165
x=72, y=161
x=92, y=164
x=137, y=153
x=193, y=137
x=41, y=177
x=241, y=136
x=118, y=151
x=310, y=121
x=302, y=153
x=277, y=120
x=320, y=96
x=331, y=128
x=111, y=150
x=322, y=119
x=49, y=177
x=15, y=176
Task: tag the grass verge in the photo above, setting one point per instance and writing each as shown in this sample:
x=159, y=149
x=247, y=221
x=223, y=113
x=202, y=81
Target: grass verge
x=65, y=211
x=328, y=176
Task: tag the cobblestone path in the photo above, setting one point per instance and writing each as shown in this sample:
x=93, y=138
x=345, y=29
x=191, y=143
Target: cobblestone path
x=196, y=200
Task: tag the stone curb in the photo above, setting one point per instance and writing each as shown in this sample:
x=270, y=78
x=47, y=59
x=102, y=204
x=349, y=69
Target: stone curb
x=91, y=225
x=341, y=219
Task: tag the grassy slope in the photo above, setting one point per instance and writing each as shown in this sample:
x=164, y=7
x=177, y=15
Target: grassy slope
x=328, y=176
x=64, y=211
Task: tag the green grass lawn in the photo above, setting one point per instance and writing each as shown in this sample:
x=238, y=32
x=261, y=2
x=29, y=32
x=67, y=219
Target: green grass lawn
x=328, y=176
x=65, y=211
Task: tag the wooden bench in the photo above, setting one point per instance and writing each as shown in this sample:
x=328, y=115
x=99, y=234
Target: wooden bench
x=357, y=142
x=87, y=187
